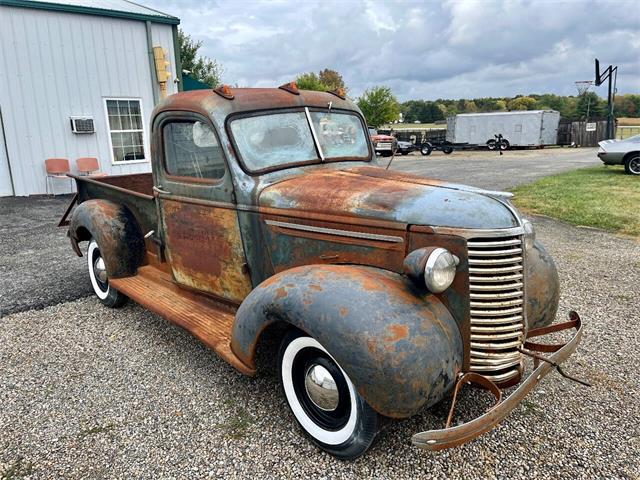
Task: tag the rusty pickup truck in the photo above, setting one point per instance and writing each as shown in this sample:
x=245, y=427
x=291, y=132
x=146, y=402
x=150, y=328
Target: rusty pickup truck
x=267, y=212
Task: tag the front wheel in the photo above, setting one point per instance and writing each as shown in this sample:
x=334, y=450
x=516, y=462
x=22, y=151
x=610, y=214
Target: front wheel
x=323, y=400
x=632, y=164
x=491, y=144
x=99, y=280
x=426, y=149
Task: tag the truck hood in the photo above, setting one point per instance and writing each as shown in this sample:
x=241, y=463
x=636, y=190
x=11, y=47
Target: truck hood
x=383, y=195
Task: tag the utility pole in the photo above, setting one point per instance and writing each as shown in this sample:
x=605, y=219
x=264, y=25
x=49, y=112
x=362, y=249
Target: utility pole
x=611, y=74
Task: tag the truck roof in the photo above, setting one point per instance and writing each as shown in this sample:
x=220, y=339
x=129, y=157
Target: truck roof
x=248, y=100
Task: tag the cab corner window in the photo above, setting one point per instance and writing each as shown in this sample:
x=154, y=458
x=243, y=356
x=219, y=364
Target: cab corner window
x=191, y=149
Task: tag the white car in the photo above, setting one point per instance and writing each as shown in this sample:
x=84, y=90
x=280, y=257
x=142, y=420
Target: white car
x=622, y=152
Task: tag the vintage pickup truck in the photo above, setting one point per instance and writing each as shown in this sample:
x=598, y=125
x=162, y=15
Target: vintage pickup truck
x=266, y=211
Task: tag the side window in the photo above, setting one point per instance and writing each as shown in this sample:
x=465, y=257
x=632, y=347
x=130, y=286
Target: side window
x=191, y=149
x=518, y=128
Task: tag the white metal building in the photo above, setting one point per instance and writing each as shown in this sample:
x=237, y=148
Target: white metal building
x=63, y=60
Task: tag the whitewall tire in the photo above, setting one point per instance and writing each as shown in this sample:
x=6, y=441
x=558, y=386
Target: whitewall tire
x=323, y=399
x=99, y=280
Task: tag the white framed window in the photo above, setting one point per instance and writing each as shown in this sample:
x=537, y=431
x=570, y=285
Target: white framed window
x=126, y=130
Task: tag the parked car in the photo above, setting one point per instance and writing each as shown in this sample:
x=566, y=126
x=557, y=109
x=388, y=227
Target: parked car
x=405, y=148
x=267, y=211
x=622, y=152
x=384, y=145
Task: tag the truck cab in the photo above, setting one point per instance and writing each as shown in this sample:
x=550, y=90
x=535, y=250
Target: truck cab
x=267, y=209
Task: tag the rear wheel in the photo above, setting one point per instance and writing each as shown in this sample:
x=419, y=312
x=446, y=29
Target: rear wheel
x=632, y=164
x=447, y=150
x=99, y=280
x=323, y=400
x=426, y=149
x=504, y=145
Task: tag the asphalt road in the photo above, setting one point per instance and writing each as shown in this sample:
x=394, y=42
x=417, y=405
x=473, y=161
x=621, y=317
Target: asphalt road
x=491, y=171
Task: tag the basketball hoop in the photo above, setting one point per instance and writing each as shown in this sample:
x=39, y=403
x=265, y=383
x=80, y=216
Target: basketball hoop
x=583, y=86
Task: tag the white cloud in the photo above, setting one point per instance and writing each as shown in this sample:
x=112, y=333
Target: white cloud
x=433, y=49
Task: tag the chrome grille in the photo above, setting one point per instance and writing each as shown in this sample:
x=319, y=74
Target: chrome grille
x=496, y=284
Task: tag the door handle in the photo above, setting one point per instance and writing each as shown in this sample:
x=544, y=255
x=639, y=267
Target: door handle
x=159, y=189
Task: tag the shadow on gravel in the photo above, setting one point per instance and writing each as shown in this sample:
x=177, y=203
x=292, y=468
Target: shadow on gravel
x=37, y=265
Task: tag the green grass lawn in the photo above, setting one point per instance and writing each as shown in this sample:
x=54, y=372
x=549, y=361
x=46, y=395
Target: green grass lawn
x=601, y=197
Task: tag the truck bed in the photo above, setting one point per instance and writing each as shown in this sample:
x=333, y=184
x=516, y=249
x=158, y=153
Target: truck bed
x=135, y=191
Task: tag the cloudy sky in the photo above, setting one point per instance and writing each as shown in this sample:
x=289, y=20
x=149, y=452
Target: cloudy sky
x=422, y=50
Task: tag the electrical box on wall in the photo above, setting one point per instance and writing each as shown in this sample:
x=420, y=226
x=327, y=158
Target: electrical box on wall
x=82, y=125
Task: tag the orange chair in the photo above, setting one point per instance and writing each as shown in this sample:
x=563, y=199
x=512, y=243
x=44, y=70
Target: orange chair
x=57, y=168
x=89, y=166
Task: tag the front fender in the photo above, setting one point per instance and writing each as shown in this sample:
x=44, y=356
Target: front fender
x=401, y=348
x=115, y=229
x=542, y=287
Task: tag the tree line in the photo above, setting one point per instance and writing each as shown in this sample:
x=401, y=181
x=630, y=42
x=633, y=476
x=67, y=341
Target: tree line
x=588, y=105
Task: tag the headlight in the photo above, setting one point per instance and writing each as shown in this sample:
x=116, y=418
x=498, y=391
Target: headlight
x=529, y=234
x=440, y=270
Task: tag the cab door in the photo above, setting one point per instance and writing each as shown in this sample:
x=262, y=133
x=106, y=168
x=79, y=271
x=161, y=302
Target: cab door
x=199, y=220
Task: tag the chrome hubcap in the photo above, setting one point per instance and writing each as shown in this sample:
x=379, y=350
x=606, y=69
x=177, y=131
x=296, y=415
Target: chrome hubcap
x=99, y=270
x=321, y=388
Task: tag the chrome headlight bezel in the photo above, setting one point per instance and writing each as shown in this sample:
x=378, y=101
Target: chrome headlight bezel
x=440, y=270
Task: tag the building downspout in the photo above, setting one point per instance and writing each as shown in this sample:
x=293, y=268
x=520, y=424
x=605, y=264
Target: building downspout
x=176, y=51
x=152, y=65
x=6, y=151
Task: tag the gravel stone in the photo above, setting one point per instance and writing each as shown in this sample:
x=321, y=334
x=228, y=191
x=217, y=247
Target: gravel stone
x=90, y=392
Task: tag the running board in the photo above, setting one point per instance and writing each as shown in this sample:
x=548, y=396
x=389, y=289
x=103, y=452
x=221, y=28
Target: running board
x=207, y=320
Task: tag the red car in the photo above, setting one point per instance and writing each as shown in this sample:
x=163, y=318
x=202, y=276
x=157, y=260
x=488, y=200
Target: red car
x=384, y=145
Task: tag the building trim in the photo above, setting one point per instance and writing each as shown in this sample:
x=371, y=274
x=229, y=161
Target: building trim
x=6, y=151
x=103, y=12
x=176, y=52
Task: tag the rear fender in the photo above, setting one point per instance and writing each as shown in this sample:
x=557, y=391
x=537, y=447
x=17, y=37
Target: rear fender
x=400, y=346
x=115, y=229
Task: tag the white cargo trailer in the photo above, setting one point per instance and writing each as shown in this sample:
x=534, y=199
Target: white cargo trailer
x=528, y=128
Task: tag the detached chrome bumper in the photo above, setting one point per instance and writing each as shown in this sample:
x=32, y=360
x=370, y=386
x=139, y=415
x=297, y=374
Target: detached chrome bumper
x=452, y=436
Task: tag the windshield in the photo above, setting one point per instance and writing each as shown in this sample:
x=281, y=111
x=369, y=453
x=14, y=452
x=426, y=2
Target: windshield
x=274, y=140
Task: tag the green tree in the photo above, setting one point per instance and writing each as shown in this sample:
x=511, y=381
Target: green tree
x=522, y=103
x=470, y=106
x=379, y=106
x=500, y=105
x=590, y=105
x=200, y=67
x=332, y=79
x=323, y=81
x=310, y=81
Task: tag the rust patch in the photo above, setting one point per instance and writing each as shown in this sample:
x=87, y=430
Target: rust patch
x=397, y=332
x=343, y=311
x=205, y=249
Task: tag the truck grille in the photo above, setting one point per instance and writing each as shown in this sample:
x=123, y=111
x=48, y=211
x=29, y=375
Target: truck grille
x=383, y=146
x=496, y=283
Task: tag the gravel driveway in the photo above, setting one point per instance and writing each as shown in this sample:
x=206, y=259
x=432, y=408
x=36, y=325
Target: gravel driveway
x=89, y=392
